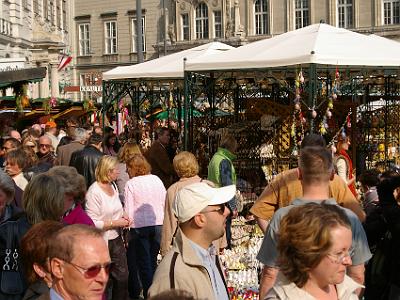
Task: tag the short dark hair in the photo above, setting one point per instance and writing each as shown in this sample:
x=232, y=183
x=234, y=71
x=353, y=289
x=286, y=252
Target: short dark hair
x=18, y=156
x=62, y=245
x=313, y=140
x=369, y=177
x=94, y=139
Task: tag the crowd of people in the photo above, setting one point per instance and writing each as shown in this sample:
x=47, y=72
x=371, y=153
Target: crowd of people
x=85, y=216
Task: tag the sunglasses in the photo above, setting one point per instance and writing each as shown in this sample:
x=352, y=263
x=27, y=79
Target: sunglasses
x=45, y=145
x=93, y=271
x=220, y=209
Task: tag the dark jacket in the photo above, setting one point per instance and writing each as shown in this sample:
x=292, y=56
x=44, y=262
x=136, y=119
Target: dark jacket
x=14, y=230
x=161, y=166
x=85, y=162
x=35, y=290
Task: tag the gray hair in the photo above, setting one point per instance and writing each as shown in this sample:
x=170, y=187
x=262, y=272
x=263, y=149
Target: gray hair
x=7, y=186
x=80, y=135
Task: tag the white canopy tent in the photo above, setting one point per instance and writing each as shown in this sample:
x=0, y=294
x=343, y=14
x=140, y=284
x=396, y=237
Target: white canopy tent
x=315, y=44
x=170, y=66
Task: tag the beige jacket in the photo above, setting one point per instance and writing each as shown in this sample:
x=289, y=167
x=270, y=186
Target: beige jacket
x=285, y=290
x=189, y=273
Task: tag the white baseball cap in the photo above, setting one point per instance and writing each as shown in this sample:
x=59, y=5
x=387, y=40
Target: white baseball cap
x=193, y=198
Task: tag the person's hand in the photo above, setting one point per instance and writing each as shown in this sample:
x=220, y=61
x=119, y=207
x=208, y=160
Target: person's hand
x=121, y=223
x=235, y=213
x=128, y=219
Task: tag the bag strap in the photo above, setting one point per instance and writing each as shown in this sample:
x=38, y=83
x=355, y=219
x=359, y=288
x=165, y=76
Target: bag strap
x=217, y=262
x=172, y=270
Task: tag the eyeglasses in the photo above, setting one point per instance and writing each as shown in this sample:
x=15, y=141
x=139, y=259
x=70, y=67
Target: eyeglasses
x=339, y=258
x=45, y=145
x=220, y=210
x=93, y=271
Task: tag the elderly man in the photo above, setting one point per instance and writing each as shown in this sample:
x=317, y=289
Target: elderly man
x=192, y=264
x=64, y=153
x=46, y=155
x=79, y=264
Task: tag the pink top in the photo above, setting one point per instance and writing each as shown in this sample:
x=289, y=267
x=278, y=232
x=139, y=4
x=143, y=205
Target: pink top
x=78, y=216
x=101, y=207
x=145, y=200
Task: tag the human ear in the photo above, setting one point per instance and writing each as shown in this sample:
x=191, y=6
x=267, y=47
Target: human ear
x=57, y=268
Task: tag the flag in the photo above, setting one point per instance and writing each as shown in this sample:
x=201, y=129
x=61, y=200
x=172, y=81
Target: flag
x=65, y=60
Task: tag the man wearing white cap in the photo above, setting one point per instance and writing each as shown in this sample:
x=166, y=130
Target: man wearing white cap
x=192, y=264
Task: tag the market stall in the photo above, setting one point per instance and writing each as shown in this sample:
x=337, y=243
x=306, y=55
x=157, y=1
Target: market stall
x=143, y=89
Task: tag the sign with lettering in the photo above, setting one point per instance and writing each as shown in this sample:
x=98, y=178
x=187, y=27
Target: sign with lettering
x=91, y=88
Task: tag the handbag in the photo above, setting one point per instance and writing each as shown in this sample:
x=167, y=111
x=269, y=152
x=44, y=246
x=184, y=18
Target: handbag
x=11, y=282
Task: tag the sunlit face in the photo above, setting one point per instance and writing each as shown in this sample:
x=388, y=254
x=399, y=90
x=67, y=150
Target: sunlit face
x=75, y=284
x=44, y=145
x=332, y=268
x=114, y=174
x=216, y=219
x=8, y=146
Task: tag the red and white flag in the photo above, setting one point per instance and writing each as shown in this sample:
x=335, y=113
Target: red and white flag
x=65, y=60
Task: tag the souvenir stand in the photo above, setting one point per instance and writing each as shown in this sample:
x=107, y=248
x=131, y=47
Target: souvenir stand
x=307, y=80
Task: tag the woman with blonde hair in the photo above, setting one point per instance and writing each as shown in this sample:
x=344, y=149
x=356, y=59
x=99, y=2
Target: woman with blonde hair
x=125, y=152
x=314, y=251
x=187, y=168
x=144, y=204
x=105, y=209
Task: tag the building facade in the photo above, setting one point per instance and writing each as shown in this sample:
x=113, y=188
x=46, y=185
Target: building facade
x=37, y=32
x=241, y=21
x=105, y=36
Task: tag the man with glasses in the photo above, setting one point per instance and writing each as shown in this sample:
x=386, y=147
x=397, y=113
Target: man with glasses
x=315, y=171
x=46, y=155
x=79, y=264
x=193, y=264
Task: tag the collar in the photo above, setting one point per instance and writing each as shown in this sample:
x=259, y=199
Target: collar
x=227, y=153
x=54, y=295
x=300, y=201
x=183, y=245
x=183, y=179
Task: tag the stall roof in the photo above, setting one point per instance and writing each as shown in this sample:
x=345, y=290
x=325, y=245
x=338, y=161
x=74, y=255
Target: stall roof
x=318, y=44
x=8, y=78
x=170, y=66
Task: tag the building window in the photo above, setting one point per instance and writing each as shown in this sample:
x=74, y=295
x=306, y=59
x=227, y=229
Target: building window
x=64, y=15
x=261, y=17
x=218, y=23
x=391, y=12
x=345, y=13
x=25, y=4
x=46, y=13
x=84, y=39
x=134, y=35
x=185, y=27
x=52, y=14
x=301, y=13
x=36, y=6
x=202, y=21
x=58, y=15
x=110, y=34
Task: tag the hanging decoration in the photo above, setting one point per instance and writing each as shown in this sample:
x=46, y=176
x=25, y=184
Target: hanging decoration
x=298, y=120
x=342, y=130
x=21, y=98
x=323, y=126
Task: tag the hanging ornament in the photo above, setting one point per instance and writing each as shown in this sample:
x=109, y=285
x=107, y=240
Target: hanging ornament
x=293, y=130
x=313, y=114
x=53, y=102
x=328, y=114
x=348, y=121
x=343, y=133
x=322, y=128
x=301, y=77
x=297, y=106
x=337, y=74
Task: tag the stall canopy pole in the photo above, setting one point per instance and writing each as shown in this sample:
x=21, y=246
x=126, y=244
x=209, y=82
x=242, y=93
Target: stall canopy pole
x=185, y=105
x=312, y=94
